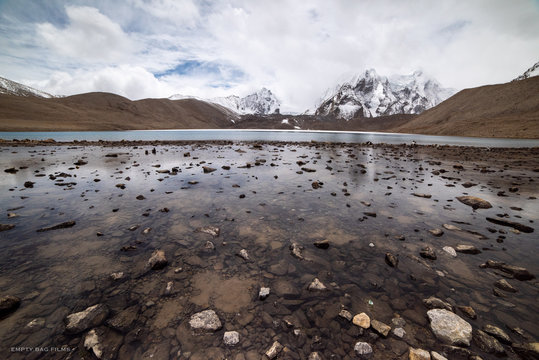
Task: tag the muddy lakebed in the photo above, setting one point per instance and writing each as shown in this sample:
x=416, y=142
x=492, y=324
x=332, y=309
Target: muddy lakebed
x=256, y=250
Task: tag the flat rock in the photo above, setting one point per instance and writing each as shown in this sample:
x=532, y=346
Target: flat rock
x=527, y=351
x=418, y=354
x=157, y=260
x=6, y=227
x=231, y=338
x=505, y=286
x=363, y=350
x=451, y=227
x=362, y=320
x=451, y=251
x=435, y=303
x=468, y=311
x=449, y=327
x=436, y=232
x=90, y=317
x=207, y=169
x=435, y=356
x=426, y=196
x=274, y=350
x=474, y=202
x=211, y=230
x=487, y=343
x=513, y=224
x=9, y=304
x=316, y=285
x=518, y=272
x=380, y=327
x=391, y=260
x=345, y=314
x=63, y=225
x=321, y=244
x=497, y=333
x=206, y=320
x=467, y=249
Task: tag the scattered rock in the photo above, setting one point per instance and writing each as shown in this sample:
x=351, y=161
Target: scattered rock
x=474, y=202
x=209, y=246
x=274, y=350
x=169, y=288
x=117, y=276
x=208, y=169
x=449, y=327
x=63, y=225
x=263, y=293
x=34, y=325
x=468, y=184
x=86, y=319
x=317, y=285
x=467, y=249
x=314, y=356
x=513, y=224
x=362, y=320
x=322, y=244
x=363, y=350
x=92, y=342
x=435, y=303
x=80, y=162
x=316, y=185
x=451, y=227
x=244, y=255
x=11, y=170
x=505, y=286
x=8, y=304
x=296, y=250
x=426, y=196
x=231, y=338
x=392, y=260
x=418, y=354
x=468, y=311
x=519, y=273
x=497, y=333
x=399, y=332
x=528, y=351
x=436, y=232
x=450, y=251
x=380, y=327
x=487, y=343
x=345, y=314
x=435, y=356
x=157, y=260
x=140, y=197
x=29, y=184
x=212, y=230
x=124, y=320
x=206, y=320
x=428, y=253
x=5, y=227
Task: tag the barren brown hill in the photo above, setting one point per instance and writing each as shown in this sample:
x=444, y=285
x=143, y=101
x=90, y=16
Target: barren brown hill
x=104, y=111
x=507, y=110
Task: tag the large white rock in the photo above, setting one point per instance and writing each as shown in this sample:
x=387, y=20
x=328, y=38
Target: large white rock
x=91, y=317
x=205, y=320
x=231, y=338
x=449, y=327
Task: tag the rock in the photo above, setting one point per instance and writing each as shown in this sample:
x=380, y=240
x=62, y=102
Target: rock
x=91, y=342
x=103, y=342
x=169, y=288
x=34, y=325
x=380, y=327
x=140, y=197
x=428, y=252
x=450, y=251
x=263, y=293
x=505, y=286
x=449, y=327
x=5, y=227
x=209, y=246
x=244, y=254
x=363, y=350
x=208, y=169
x=467, y=249
x=231, y=338
x=316, y=185
x=391, y=260
x=519, y=273
x=80, y=162
x=117, y=276
x=474, y=202
x=8, y=304
x=497, y=333
x=436, y=232
x=468, y=184
x=435, y=356
x=157, y=260
x=345, y=314
x=426, y=196
x=206, y=320
x=63, y=225
x=321, y=244
x=274, y=350
x=124, y=320
x=11, y=170
x=469, y=311
x=513, y=224
x=317, y=285
x=418, y=354
x=435, y=303
x=362, y=320
x=451, y=227
x=399, y=332
x=487, y=343
x=529, y=351
x=296, y=250
x=314, y=356
x=211, y=230
x=29, y=184
x=86, y=319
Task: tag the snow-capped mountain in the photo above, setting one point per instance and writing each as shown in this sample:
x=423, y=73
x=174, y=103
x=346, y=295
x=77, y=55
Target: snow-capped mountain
x=533, y=71
x=262, y=102
x=14, y=88
x=372, y=95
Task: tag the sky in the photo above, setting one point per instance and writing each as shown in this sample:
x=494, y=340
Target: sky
x=297, y=49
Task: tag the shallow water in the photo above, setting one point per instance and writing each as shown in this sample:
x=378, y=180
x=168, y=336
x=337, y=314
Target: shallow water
x=63, y=271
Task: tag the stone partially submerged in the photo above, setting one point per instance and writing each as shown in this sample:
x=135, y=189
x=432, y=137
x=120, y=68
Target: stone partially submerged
x=206, y=320
x=449, y=327
x=86, y=319
x=474, y=202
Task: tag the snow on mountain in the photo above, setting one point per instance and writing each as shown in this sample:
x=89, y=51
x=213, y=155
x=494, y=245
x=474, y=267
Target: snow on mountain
x=372, y=95
x=533, y=71
x=14, y=88
x=262, y=102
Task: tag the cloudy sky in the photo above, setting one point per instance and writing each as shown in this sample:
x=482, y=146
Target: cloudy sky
x=298, y=49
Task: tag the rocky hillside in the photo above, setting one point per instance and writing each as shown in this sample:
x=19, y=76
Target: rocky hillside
x=10, y=87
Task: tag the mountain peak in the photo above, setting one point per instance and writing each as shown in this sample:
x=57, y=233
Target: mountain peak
x=533, y=71
x=262, y=102
x=372, y=95
x=14, y=88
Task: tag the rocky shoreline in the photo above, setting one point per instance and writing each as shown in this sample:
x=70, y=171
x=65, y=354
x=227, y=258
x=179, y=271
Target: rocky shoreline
x=242, y=250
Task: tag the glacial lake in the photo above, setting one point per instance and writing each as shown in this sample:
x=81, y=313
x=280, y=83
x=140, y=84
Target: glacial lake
x=271, y=135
